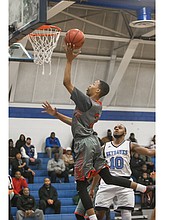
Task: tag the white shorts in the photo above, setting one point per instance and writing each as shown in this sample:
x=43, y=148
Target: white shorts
x=120, y=197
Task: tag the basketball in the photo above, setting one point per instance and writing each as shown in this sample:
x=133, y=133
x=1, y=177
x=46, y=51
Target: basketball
x=75, y=37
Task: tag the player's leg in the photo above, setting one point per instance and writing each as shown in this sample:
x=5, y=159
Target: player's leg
x=120, y=181
x=84, y=155
x=80, y=211
x=85, y=198
x=100, y=214
x=126, y=214
x=125, y=202
x=104, y=198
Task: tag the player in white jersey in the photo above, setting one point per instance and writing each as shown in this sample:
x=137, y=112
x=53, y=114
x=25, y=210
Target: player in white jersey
x=118, y=154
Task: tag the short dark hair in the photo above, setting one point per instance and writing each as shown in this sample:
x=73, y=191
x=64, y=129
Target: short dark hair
x=104, y=88
x=28, y=138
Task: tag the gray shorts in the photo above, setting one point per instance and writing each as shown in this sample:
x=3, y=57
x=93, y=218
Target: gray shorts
x=89, y=159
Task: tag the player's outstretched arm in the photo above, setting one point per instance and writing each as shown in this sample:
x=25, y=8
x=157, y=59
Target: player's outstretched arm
x=143, y=150
x=67, y=74
x=53, y=111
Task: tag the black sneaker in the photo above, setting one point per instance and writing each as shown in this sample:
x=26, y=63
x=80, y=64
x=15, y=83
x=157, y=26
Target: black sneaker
x=148, y=198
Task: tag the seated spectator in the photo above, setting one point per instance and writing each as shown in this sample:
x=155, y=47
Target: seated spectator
x=68, y=160
x=132, y=138
x=56, y=168
x=19, y=164
x=49, y=197
x=145, y=179
x=108, y=137
x=136, y=164
x=20, y=142
x=29, y=153
x=12, y=153
x=19, y=183
x=26, y=206
x=53, y=145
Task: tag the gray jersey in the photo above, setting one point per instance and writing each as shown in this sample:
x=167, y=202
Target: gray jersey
x=88, y=156
x=87, y=112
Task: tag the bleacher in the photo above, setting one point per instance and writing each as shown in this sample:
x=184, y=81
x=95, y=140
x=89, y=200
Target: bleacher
x=66, y=191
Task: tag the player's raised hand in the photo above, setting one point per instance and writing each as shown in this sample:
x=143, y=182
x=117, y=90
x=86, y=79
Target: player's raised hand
x=49, y=109
x=71, y=52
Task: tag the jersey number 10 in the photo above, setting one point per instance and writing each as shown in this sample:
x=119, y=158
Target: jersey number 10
x=116, y=163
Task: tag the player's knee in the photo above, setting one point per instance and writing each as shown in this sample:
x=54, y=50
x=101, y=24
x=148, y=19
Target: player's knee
x=100, y=214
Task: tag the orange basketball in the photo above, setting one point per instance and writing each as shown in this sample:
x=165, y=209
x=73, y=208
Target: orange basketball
x=75, y=37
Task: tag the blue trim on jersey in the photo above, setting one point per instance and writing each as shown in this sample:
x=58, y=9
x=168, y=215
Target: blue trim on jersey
x=23, y=112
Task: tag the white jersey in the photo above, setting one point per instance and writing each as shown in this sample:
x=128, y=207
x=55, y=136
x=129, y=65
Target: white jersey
x=118, y=158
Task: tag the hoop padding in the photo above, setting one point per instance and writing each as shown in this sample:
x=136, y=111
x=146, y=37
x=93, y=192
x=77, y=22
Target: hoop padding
x=44, y=40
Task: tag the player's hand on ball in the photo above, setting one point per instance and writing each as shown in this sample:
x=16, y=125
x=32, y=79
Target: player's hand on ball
x=49, y=109
x=71, y=52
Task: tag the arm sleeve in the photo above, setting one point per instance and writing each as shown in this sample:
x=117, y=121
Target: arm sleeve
x=82, y=101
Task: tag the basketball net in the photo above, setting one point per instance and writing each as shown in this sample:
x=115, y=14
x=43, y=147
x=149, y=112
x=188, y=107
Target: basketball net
x=43, y=41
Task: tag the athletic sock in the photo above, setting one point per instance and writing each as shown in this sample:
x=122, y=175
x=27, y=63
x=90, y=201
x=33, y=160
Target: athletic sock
x=141, y=188
x=93, y=217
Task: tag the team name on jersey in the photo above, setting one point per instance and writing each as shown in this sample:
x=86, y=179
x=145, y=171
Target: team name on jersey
x=115, y=152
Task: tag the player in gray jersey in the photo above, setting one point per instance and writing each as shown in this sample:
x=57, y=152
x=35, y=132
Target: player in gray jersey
x=89, y=160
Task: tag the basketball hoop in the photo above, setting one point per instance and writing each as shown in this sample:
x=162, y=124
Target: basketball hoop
x=44, y=40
